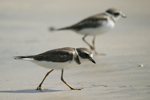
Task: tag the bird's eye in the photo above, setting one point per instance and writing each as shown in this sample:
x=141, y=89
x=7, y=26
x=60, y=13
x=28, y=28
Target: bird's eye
x=108, y=11
x=84, y=55
x=116, y=14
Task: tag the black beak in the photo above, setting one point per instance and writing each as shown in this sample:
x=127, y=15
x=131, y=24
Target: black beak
x=92, y=60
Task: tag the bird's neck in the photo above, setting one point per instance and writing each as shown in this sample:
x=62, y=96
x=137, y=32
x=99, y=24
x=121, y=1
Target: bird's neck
x=76, y=56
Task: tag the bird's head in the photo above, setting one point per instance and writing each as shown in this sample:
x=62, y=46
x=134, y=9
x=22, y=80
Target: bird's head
x=85, y=55
x=115, y=13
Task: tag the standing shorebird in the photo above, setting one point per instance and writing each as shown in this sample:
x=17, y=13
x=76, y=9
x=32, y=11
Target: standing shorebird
x=95, y=25
x=60, y=59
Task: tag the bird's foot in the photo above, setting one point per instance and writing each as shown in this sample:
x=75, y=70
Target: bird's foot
x=98, y=54
x=76, y=88
x=39, y=88
x=102, y=54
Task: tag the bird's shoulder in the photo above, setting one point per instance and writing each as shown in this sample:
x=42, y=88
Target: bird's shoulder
x=91, y=22
x=56, y=55
x=95, y=18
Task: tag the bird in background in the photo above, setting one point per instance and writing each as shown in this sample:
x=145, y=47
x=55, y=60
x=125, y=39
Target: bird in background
x=95, y=25
x=60, y=59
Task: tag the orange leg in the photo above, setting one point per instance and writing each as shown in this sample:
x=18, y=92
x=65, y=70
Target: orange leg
x=67, y=83
x=40, y=85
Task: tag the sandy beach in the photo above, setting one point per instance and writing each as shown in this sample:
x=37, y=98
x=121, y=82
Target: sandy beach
x=24, y=30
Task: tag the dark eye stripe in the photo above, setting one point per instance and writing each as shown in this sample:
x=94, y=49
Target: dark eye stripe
x=116, y=14
x=108, y=11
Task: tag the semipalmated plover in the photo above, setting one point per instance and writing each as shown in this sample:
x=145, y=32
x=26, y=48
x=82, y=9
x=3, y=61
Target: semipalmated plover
x=95, y=25
x=60, y=59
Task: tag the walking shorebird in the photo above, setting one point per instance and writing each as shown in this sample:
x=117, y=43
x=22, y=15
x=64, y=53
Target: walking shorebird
x=60, y=59
x=95, y=25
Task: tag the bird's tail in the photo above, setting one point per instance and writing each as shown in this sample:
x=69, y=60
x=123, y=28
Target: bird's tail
x=54, y=29
x=23, y=58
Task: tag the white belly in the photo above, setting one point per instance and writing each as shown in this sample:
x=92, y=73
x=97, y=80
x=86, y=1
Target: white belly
x=56, y=65
x=106, y=26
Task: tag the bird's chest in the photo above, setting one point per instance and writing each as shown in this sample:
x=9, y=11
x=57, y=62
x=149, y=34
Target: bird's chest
x=106, y=26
